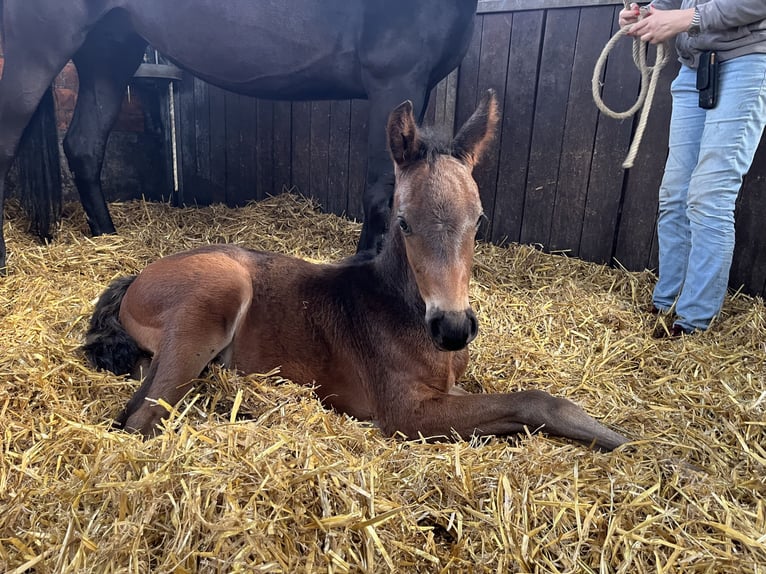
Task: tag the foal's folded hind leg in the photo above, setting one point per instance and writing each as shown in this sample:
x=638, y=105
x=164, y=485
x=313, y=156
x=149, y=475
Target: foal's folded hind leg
x=170, y=375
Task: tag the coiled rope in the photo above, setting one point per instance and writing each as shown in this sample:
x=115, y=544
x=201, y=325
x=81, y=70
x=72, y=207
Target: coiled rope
x=649, y=77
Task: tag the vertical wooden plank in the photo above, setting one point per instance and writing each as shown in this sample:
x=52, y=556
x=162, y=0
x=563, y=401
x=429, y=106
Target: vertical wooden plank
x=550, y=115
x=204, y=188
x=282, y=147
x=469, y=76
x=429, y=116
x=166, y=193
x=320, y=140
x=749, y=265
x=447, y=123
x=493, y=68
x=611, y=146
x=217, y=98
x=517, y=122
x=593, y=32
x=301, y=147
x=263, y=175
x=436, y=101
x=338, y=157
x=248, y=153
x=234, y=114
x=357, y=158
x=441, y=105
x=635, y=247
x=187, y=139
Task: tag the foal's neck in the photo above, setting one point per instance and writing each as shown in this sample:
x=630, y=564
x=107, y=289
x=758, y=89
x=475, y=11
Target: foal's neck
x=393, y=270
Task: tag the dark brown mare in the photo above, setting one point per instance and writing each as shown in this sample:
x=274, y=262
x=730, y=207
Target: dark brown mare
x=384, y=50
x=383, y=338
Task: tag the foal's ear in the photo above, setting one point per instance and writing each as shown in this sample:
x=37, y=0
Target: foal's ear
x=474, y=137
x=402, y=131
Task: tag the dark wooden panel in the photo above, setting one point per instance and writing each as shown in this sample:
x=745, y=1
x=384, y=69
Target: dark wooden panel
x=469, y=77
x=217, y=99
x=357, y=159
x=301, y=146
x=635, y=246
x=429, y=116
x=229, y=128
x=493, y=67
x=282, y=146
x=579, y=132
x=440, y=110
x=516, y=129
x=169, y=123
x=320, y=139
x=187, y=141
x=748, y=269
x=236, y=113
x=338, y=157
x=263, y=173
x=550, y=116
x=487, y=6
x=611, y=146
x=204, y=194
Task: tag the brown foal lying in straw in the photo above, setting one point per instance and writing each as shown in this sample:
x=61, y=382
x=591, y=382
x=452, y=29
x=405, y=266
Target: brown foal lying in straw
x=382, y=338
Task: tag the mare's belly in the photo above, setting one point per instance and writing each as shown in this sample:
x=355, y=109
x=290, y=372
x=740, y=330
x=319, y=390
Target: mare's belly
x=279, y=49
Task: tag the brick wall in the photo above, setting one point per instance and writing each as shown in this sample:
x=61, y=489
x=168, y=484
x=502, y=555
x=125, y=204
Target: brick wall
x=65, y=86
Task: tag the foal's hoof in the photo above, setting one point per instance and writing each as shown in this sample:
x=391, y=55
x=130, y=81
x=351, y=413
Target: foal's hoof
x=119, y=422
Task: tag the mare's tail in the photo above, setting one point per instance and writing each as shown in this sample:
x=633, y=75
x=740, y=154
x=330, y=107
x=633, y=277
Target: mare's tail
x=38, y=160
x=107, y=344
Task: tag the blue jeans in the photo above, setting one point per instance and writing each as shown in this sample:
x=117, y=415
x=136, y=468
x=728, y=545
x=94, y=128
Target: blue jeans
x=710, y=151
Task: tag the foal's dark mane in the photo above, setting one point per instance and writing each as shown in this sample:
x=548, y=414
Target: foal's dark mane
x=433, y=143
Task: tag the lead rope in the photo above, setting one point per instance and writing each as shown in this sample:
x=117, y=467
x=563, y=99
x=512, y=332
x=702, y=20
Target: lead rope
x=649, y=77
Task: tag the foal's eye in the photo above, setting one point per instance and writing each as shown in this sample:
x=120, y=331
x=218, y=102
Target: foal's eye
x=404, y=226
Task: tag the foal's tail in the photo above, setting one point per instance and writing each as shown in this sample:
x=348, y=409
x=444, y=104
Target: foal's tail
x=107, y=344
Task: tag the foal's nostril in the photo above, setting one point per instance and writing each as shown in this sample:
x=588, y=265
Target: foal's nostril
x=473, y=325
x=435, y=326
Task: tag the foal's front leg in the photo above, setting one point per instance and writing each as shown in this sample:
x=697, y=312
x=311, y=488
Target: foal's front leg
x=432, y=414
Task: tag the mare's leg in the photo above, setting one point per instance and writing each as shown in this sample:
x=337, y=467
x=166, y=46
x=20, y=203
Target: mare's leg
x=105, y=65
x=379, y=191
x=435, y=414
x=36, y=49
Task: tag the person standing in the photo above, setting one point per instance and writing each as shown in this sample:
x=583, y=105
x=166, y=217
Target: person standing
x=714, y=133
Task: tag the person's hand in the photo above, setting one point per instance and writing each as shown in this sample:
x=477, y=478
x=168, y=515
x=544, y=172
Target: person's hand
x=660, y=25
x=629, y=15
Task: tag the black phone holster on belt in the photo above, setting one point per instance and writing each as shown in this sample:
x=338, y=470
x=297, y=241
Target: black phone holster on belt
x=707, y=79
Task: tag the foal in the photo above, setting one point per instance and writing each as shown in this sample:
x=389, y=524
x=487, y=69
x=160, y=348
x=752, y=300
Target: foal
x=383, y=339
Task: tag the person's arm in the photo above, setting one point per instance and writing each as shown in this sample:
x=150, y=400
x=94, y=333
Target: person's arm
x=724, y=14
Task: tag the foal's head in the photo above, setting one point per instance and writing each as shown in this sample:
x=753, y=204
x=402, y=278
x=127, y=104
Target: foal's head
x=436, y=210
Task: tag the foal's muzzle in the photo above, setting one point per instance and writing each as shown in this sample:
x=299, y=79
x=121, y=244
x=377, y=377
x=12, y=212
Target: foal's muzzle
x=452, y=330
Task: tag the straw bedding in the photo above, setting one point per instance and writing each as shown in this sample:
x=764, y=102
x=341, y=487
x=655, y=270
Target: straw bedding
x=253, y=475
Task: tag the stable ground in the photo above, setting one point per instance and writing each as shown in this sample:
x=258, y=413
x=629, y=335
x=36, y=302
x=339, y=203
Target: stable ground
x=253, y=475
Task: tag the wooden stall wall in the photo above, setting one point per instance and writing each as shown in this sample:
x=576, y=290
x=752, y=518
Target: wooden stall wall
x=234, y=149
